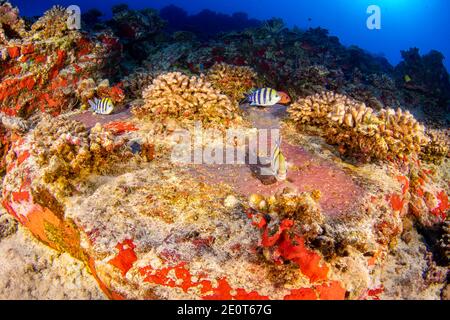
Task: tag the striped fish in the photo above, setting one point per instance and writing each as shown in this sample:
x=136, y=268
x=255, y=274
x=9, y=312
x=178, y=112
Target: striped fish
x=278, y=163
x=103, y=106
x=265, y=97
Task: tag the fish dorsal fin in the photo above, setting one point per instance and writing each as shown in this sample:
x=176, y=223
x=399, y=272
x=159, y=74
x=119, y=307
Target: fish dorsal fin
x=278, y=142
x=276, y=150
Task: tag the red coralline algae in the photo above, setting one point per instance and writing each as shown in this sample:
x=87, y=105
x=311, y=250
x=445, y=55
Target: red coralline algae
x=405, y=184
x=302, y=294
x=22, y=157
x=374, y=293
x=241, y=294
x=116, y=93
x=179, y=277
x=310, y=263
x=126, y=256
x=331, y=291
x=270, y=240
x=28, y=49
x=14, y=52
x=441, y=210
x=292, y=248
x=20, y=196
x=120, y=127
x=327, y=291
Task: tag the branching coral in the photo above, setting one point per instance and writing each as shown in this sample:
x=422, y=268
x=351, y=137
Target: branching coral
x=68, y=152
x=314, y=109
x=186, y=99
x=358, y=129
x=234, y=81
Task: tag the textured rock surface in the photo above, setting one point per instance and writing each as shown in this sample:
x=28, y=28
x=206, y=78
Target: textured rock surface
x=166, y=231
x=404, y=275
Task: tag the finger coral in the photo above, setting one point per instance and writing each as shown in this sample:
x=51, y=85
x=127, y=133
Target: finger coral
x=314, y=109
x=186, y=99
x=234, y=81
x=357, y=129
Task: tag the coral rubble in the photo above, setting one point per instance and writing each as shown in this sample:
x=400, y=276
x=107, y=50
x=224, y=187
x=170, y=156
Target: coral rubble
x=68, y=153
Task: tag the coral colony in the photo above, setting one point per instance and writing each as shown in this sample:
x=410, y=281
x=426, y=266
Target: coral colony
x=131, y=145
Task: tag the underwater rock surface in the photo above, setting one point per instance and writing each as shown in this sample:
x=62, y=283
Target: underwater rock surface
x=366, y=191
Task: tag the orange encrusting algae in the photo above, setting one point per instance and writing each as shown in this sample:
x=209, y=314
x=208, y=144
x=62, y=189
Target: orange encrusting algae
x=126, y=256
x=120, y=127
x=396, y=202
x=443, y=207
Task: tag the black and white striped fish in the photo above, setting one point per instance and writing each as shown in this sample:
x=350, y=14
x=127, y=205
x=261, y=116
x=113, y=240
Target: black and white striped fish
x=278, y=162
x=265, y=97
x=103, y=106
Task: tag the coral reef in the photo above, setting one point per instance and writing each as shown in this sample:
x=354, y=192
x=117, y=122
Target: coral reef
x=136, y=83
x=234, y=81
x=53, y=24
x=438, y=147
x=429, y=77
x=41, y=69
x=103, y=189
x=301, y=208
x=410, y=263
x=43, y=75
x=88, y=89
x=178, y=19
x=358, y=129
x=187, y=99
x=299, y=62
x=135, y=25
x=315, y=109
x=11, y=25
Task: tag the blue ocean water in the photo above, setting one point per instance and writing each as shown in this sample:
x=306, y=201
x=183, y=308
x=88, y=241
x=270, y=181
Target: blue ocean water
x=404, y=23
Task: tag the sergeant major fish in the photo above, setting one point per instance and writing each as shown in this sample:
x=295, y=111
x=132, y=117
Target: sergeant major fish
x=103, y=106
x=265, y=97
x=278, y=163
